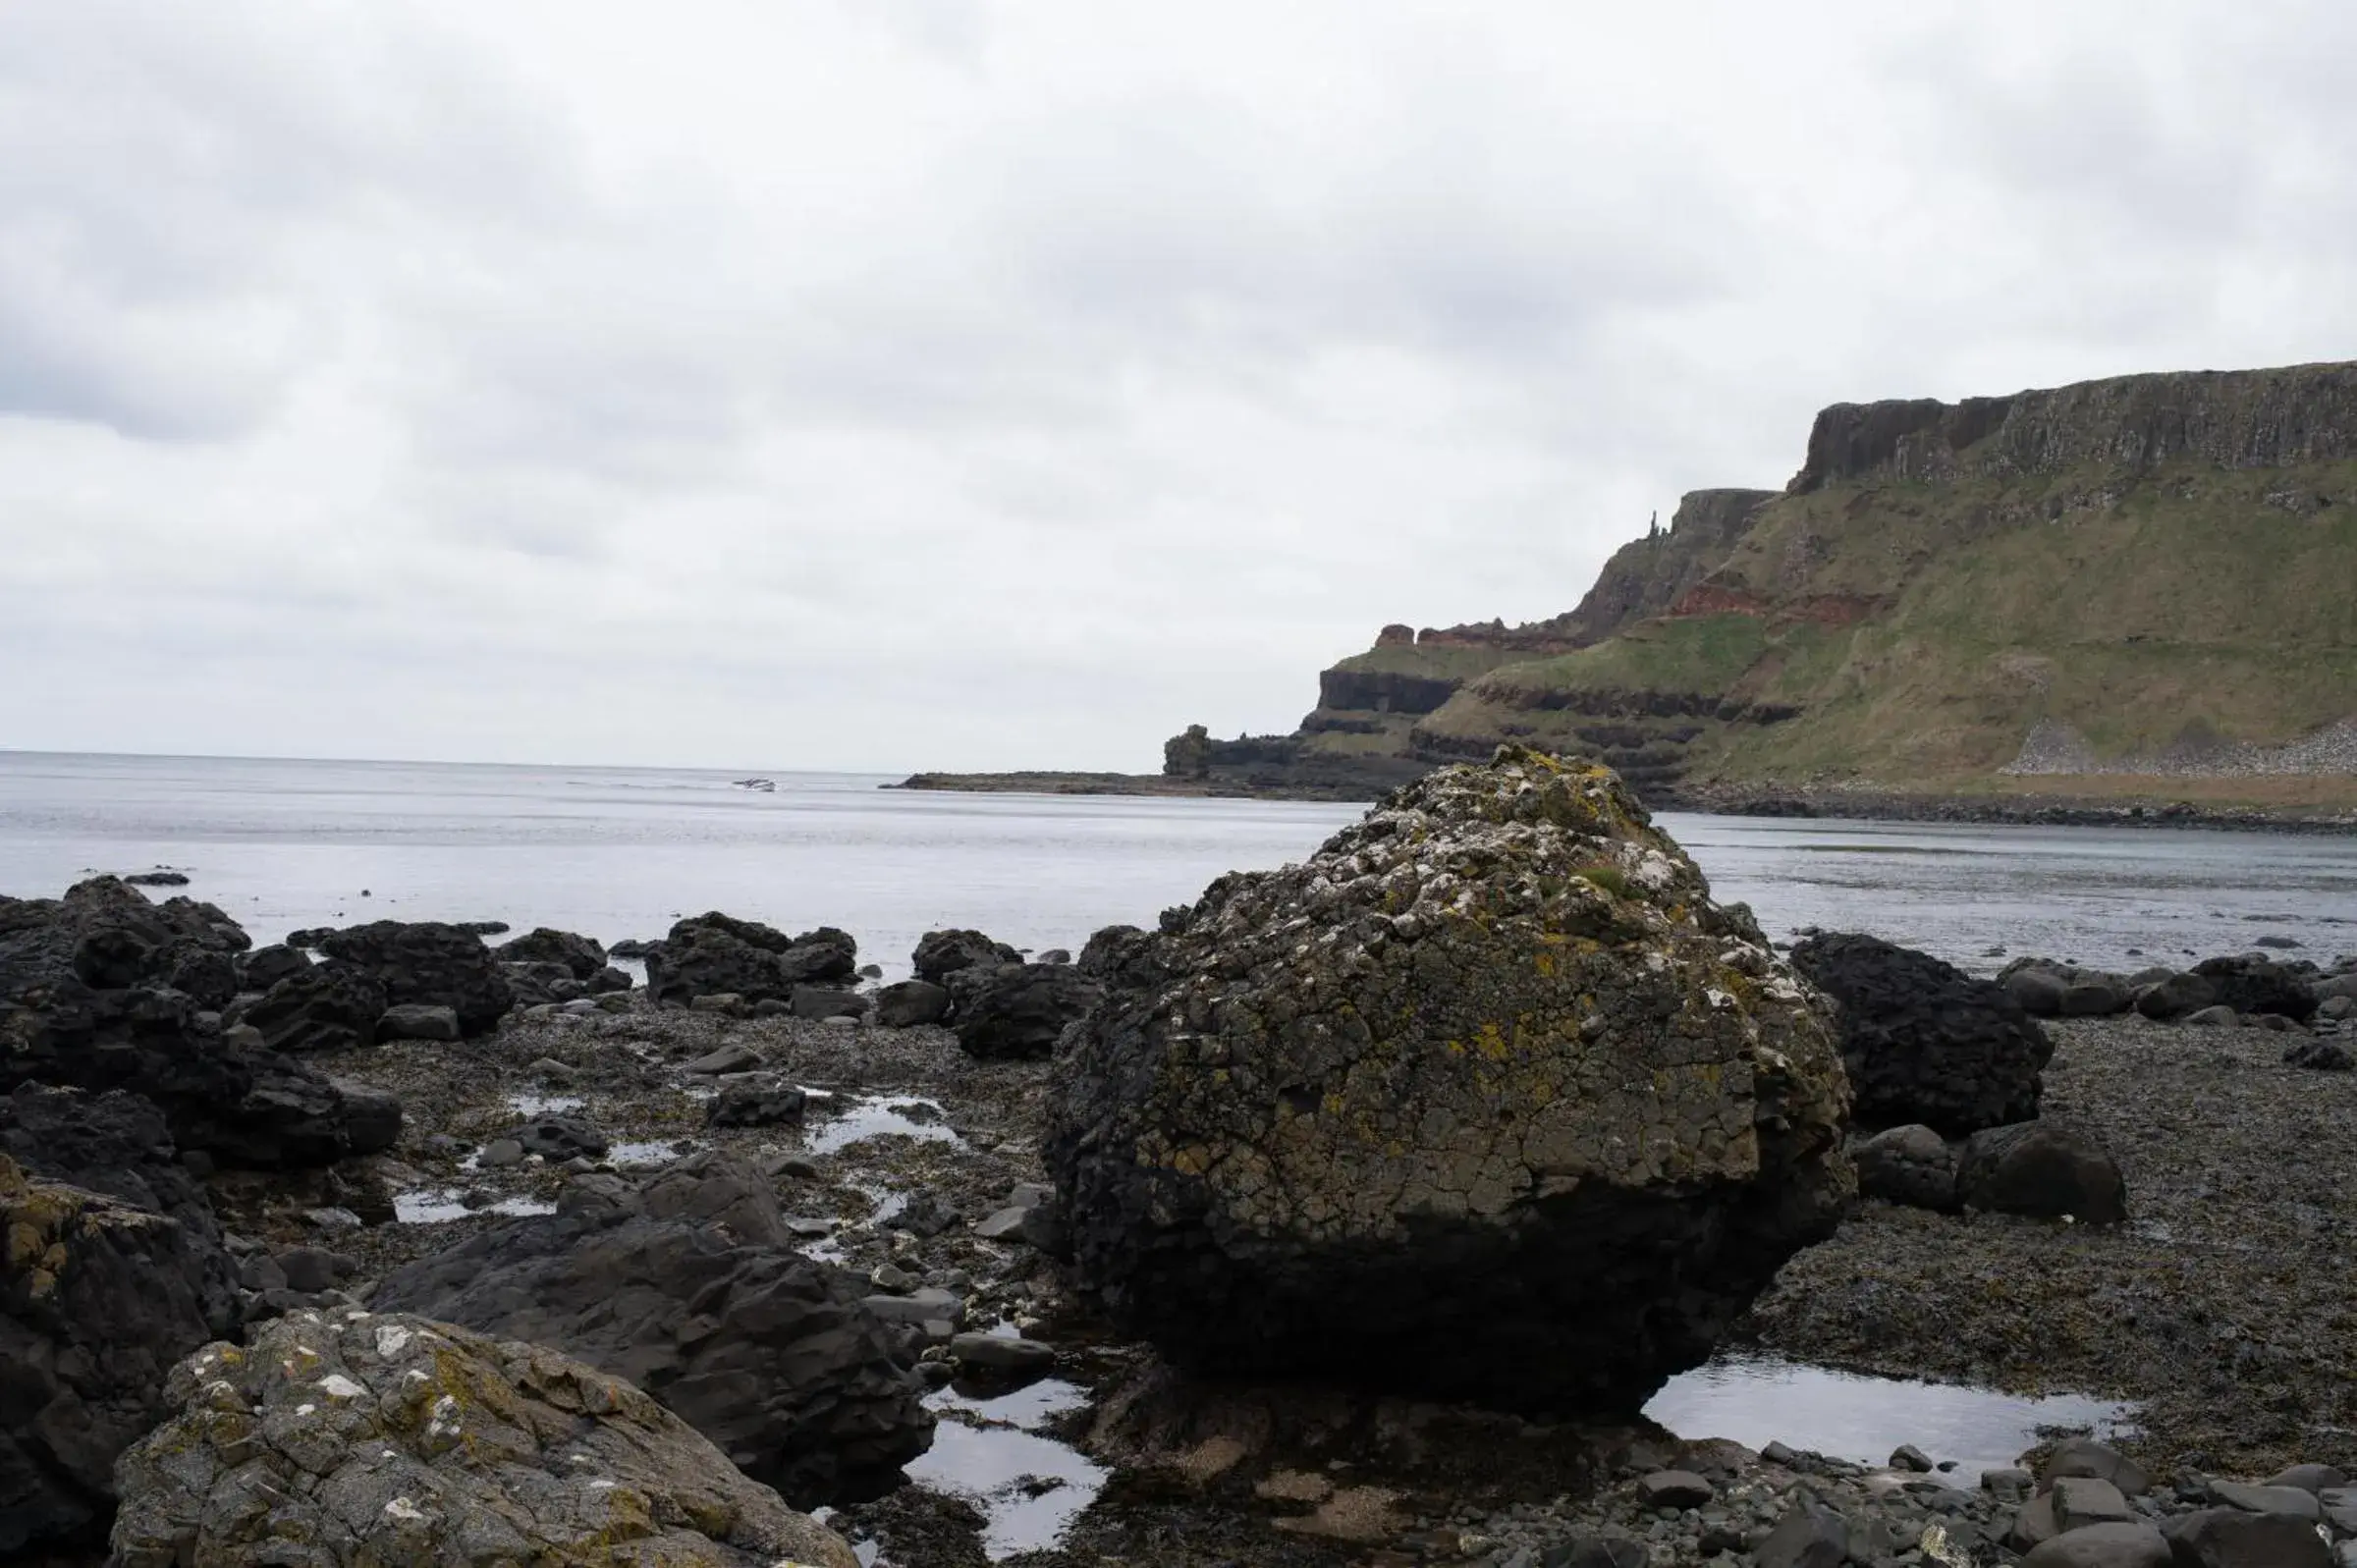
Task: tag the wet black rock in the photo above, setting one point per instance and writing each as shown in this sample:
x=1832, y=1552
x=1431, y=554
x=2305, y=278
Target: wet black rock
x=84, y=1003
x=2255, y=984
x=818, y=1002
x=2042, y=1169
x=1912, y=1164
x=2320, y=1055
x=325, y=1006
x=560, y=1138
x=265, y=967
x=416, y=1021
x=206, y=975
x=428, y=962
x=534, y=984
x=1487, y=1100
x=1923, y=1041
x=581, y=955
x=166, y=877
x=1119, y=957
x=2176, y=997
x=941, y=953
x=689, y=1287
x=98, y=1299
x=714, y=954
x=755, y=1102
x=1019, y=1010
x=2228, y=1537
x=905, y=1003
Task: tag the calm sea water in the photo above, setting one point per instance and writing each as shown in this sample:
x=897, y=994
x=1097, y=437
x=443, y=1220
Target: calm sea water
x=622, y=852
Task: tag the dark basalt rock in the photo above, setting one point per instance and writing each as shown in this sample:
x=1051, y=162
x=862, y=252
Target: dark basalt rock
x=83, y=1004
x=1923, y=1041
x=2044, y=1169
x=265, y=967
x=1486, y=1100
x=117, y=1145
x=428, y=963
x=533, y=983
x=905, y=1003
x=98, y=1298
x=1910, y=1164
x=581, y=955
x=689, y=1287
x=2254, y=985
x=1019, y=1010
x=941, y=953
x=758, y=1100
x=714, y=954
x=323, y=1007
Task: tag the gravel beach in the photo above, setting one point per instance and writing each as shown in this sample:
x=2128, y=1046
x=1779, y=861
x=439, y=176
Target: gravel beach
x=2223, y=1306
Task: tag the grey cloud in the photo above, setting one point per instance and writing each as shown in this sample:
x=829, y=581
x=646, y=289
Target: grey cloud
x=939, y=383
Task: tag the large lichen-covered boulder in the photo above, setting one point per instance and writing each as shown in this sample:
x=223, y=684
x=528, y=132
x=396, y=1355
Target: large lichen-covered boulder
x=98, y=1298
x=1486, y=1100
x=1924, y=1041
x=357, y=1440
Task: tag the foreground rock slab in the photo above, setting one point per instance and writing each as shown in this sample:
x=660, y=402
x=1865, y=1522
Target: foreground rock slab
x=1487, y=1100
x=360, y=1439
x=689, y=1287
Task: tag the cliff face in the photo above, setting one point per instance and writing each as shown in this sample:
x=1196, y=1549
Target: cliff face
x=2145, y=579
x=2226, y=419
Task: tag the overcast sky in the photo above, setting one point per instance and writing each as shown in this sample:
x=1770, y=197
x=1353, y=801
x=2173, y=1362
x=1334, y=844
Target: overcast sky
x=921, y=383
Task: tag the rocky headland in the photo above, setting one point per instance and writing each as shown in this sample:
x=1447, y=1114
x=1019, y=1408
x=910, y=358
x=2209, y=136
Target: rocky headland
x=1349, y=1215
x=2123, y=602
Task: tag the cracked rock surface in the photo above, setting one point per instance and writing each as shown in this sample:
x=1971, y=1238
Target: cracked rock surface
x=385, y=1440
x=1486, y=1100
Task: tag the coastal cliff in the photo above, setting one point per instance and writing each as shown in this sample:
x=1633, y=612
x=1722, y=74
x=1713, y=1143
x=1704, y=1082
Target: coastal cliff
x=2129, y=592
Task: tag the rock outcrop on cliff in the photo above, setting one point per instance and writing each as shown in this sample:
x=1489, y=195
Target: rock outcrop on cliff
x=2137, y=585
x=1486, y=1100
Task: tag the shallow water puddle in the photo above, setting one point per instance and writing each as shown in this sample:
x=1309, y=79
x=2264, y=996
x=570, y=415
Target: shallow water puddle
x=1757, y=1400
x=435, y=1206
x=531, y=1105
x=1028, y=1486
x=882, y=1118
x=642, y=1156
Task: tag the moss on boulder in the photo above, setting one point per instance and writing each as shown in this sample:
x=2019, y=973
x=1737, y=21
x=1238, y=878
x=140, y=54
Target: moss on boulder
x=1488, y=1098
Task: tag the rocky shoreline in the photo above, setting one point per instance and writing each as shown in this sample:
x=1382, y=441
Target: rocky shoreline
x=958, y=1223
x=2040, y=810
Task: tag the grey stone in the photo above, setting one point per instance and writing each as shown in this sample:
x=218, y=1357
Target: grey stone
x=560, y=1138
x=2043, y=1168
x=2083, y=1500
x=2034, y=1525
x=310, y=1269
x=380, y=1439
x=1674, y=1488
x=2087, y=1456
x=417, y=1020
x=1906, y=1456
x=1811, y=1535
x=2296, y=1501
x=755, y=1102
x=735, y=1057
x=918, y=1307
x=906, y=1003
x=2228, y=1537
x=1912, y=1164
x=2007, y=1484
x=2218, y=1017
x=2121, y=1544
x=819, y=1003
x=1002, y=1354
x=499, y=1152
